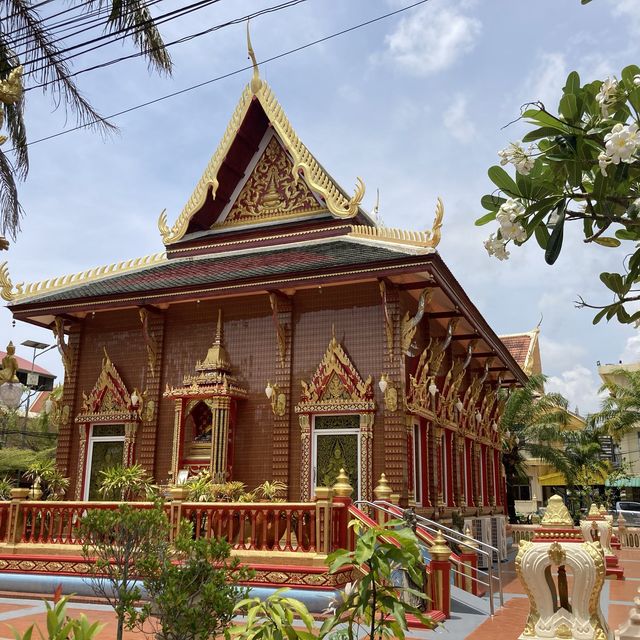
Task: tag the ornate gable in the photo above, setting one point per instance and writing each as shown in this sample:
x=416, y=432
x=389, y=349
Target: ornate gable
x=336, y=385
x=303, y=164
x=272, y=191
x=109, y=400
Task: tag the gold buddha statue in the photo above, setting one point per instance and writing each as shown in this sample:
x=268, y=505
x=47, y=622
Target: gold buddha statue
x=9, y=366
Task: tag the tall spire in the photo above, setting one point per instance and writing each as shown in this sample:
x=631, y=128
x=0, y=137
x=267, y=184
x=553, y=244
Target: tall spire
x=256, y=83
x=217, y=358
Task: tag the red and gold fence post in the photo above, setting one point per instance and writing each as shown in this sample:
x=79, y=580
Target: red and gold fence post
x=324, y=496
x=178, y=495
x=382, y=492
x=16, y=514
x=440, y=575
x=469, y=565
x=342, y=491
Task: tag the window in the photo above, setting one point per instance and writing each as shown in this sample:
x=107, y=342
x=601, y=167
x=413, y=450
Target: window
x=106, y=449
x=522, y=492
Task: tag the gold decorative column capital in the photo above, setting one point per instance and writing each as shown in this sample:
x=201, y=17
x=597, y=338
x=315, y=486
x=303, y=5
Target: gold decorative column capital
x=440, y=549
x=342, y=488
x=383, y=490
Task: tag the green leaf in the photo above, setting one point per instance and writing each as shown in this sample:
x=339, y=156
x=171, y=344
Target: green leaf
x=365, y=548
x=612, y=281
x=568, y=107
x=491, y=202
x=542, y=236
x=605, y=241
x=544, y=119
x=572, y=85
x=503, y=181
x=554, y=245
x=540, y=132
x=485, y=219
x=601, y=314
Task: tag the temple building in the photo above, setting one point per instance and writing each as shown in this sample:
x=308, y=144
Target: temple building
x=282, y=335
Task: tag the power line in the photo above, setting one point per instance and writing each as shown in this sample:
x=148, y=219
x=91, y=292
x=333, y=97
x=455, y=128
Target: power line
x=125, y=31
x=88, y=20
x=232, y=73
x=193, y=36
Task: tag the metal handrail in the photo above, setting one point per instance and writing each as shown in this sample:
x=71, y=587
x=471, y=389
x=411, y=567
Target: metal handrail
x=463, y=536
x=453, y=536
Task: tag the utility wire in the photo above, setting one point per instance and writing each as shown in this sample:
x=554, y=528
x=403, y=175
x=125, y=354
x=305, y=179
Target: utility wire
x=125, y=31
x=232, y=73
x=251, y=16
x=88, y=20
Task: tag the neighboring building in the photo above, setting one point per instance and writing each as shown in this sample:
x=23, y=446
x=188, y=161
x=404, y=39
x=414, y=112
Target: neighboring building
x=543, y=479
x=628, y=449
x=41, y=383
x=282, y=336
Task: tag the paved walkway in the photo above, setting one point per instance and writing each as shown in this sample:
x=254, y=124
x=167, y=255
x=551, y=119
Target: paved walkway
x=616, y=601
x=507, y=624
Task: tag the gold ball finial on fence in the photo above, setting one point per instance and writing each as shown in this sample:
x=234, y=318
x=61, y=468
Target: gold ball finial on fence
x=439, y=550
x=342, y=488
x=383, y=490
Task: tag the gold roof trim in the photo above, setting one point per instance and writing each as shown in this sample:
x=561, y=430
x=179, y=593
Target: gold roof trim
x=423, y=239
x=10, y=293
x=303, y=162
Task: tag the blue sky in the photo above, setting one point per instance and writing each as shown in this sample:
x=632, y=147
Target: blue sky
x=415, y=105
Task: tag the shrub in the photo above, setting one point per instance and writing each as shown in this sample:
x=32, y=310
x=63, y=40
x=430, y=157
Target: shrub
x=193, y=587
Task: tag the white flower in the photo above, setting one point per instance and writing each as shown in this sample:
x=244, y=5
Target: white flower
x=496, y=247
x=622, y=143
x=516, y=155
x=606, y=97
x=507, y=216
x=604, y=161
x=636, y=80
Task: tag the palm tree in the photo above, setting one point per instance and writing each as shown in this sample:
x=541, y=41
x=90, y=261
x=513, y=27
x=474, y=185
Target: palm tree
x=535, y=423
x=32, y=54
x=532, y=423
x=620, y=409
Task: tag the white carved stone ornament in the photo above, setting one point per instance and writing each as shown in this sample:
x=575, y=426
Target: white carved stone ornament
x=559, y=608
x=604, y=533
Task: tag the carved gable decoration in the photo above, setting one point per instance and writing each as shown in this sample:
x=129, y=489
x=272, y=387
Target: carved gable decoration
x=336, y=385
x=109, y=400
x=272, y=191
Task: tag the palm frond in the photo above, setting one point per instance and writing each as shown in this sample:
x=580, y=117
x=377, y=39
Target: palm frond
x=14, y=119
x=10, y=208
x=133, y=18
x=23, y=21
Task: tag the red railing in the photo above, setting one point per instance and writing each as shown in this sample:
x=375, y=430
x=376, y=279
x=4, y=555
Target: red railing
x=51, y=522
x=4, y=520
x=261, y=526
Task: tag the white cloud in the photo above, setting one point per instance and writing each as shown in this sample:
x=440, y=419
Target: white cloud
x=631, y=351
x=432, y=39
x=558, y=356
x=628, y=11
x=548, y=78
x=579, y=386
x=457, y=121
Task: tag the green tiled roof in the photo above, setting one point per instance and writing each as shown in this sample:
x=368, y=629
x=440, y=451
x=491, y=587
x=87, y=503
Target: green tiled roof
x=177, y=273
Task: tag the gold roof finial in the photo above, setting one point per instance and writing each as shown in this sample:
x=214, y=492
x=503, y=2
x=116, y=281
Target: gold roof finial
x=256, y=83
x=437, y=224
x=219, y=336
x=217, y=357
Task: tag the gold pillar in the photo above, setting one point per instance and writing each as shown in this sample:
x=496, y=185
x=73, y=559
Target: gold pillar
x=219, y=438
